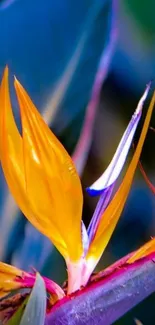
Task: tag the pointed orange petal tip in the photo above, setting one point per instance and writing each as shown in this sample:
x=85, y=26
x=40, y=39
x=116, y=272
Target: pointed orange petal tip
x=6, y=72
x=138, y=322
x=143, y=251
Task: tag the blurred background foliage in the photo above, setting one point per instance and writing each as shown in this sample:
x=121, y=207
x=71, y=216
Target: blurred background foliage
x=38, y=40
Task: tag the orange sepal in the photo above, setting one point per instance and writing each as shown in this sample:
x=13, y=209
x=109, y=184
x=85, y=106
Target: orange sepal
x=143, y=251
x=40, y=174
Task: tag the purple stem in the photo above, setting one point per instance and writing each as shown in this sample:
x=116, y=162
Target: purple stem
x=106, y=300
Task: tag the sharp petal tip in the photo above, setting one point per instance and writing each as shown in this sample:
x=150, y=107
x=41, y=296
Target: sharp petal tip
x=149, y=84
x=6, y=72
x=6, y=69
x=16, y=82
x=143, y=98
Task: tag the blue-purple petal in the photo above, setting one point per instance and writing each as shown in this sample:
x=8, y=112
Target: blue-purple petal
x=100, y=208
x=113, y=170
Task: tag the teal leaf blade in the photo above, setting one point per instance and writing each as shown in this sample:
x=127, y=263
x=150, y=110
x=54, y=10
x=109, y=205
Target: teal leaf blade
x=35, y=310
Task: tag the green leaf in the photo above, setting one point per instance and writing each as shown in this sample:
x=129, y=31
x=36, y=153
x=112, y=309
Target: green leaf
x=15, y=319
x=35, y=310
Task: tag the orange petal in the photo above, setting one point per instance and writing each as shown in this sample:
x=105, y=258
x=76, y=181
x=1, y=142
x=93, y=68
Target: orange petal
x=146, y=249
x=114, y=210
x=11, y=151
x=40, y=174
x=12, y=278
x=137, y=322
x=8, y=275
x=51, y=182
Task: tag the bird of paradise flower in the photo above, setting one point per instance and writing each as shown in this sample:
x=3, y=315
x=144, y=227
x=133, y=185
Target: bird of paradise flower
x=43, y=180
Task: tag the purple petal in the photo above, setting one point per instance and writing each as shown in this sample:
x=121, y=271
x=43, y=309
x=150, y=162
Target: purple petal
x=106, y=300
x=100, y=208
x=112, y=172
